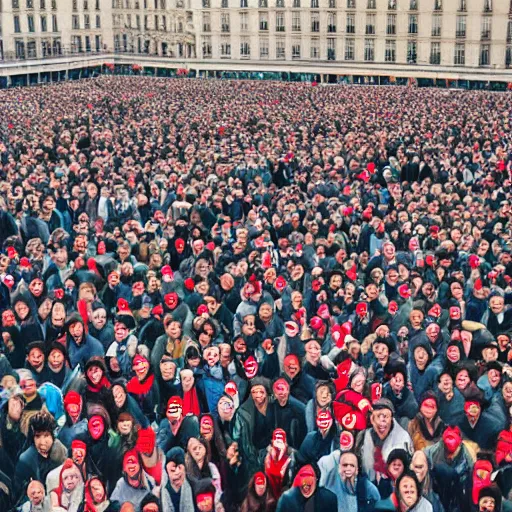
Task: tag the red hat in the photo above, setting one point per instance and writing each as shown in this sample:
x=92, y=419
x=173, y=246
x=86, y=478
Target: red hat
x=179, y=243
x=167, y=271
x=11, y=252
x=157, y=310
x=316, y=323
x=76, y=444
x=474, y=261
x=347, y=211
x=323, y=312
x=348, y=417
x=361, y=309
x=434, y=229
x=478, y=284
x=260, y=478
x=346, y=327
x=367, y=213
x=266, y=260
x=280, y=283
x=202, y=309
x=175, y=401
x=371, y=167
x=351, y=273
x=146, y=440
x=122, y=305
x=72, y=397
x=59, y=293
x=429, y=260
x=504, y=447
x=316, y=285
x=306, y=474
x=210, y=246
x=364, y=176
x=189, y=284
x=291, y=359
x=8, y=281
x=25, y=262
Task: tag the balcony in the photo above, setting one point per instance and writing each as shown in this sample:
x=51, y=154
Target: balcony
x=460, y=34
x=486, y=35
x=331, y=28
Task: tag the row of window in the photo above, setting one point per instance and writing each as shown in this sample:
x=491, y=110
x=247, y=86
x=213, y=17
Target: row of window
x=351, y=4
x=459, y=57
x=75, y=22
x=29, y=49
x=87, y=4
x=350, y=26
x=31, y=4
x=131, y=45
x=161, y=23
x=127, y=4
x=31, y=24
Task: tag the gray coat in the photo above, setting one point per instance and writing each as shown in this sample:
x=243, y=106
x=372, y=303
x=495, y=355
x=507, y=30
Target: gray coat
x=186, y=498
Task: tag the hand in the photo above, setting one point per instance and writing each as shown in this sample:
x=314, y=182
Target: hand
x=267, y=346
x=232, y=454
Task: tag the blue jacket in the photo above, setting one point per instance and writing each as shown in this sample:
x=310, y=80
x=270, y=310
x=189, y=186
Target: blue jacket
x=80, y=354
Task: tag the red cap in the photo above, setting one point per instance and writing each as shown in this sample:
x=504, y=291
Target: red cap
x=202, y=309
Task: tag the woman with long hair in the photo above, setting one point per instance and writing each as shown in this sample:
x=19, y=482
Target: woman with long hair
x=259, y=495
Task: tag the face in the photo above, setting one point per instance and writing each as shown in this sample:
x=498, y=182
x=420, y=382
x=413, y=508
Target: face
x=259, y=395
x=494, y=377
x=120, y=331
x=197, y=450
x=397, y=383
x=174, y=330
x=141, y=368
x=168, y=370
x=58, y=315
x=15, y=409
x=96, y=427
x=408, y=491
x=131, y=466
x=226, y=408
x=358, y=383
x=381, y=421
x=292, y=368
x=97, y=491
x=323, y=396
x=428, y=408
x=446, y=384
x=70, y=478
x=313, y=352
x=76, y=330
x=187, y=380
x=497, y=305
x=78, y=455
x=36, y=287
x=462, y=380
x=421, y=358
x=119, y=396
x=176, y=474
x=507, y=392
x=43, y=441
x=95, y=374
x=212, y=356
x=21, y=309
x=419, y=465
x=487, y=504
x=433, y=331
x=381, y=352
x=35, y=493
x=99, y=318
x=36, y=358
x=260, y=487
x=396, y=468
x=348, y=466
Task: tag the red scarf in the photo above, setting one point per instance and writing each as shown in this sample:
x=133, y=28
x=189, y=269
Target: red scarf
x=136, y=387
x=275, y=469
x=155, y=471
x=191, y=403
x=103, y=383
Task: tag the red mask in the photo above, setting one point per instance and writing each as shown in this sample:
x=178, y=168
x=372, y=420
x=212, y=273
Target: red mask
x=231, y=388
x=324, y=420
x=206, y=425
x=452, y=439
x=251, y=367
x=279, y=435
x=259, y=478
x=472, y=409
x=455, y=313
x=174, y=407
x=171, y=300
x=504, y=447
x=346, y=441
x=96, y=426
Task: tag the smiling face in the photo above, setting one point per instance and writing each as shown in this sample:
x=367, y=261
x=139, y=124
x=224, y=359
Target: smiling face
x=36, y=358
x=95, y=374
x=131, y=465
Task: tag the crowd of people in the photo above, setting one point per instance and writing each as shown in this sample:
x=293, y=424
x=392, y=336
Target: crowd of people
x=257, y=297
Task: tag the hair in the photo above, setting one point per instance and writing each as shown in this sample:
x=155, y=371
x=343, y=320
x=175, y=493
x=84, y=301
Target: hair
x=42, y=422
x=408, y=474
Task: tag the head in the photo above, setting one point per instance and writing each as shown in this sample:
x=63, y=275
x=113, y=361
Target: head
x=382, y=419
x=408, y=490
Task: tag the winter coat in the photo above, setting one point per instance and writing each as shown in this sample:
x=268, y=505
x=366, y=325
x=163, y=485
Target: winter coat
x=124, y=492
x=166, y=439
x=451, y=411
x=315, y=446
x=293, y=501
x=420, y=435
x=80, y=354
x=186, y=496
x=405, y=405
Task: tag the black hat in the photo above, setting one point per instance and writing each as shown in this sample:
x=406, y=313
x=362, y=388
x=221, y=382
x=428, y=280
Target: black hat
x=176, y=455
x=400, y=454
x=492, y=491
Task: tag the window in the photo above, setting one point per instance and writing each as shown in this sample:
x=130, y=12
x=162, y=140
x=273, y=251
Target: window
x=20, y=49
x=245, y=49
x=76, y=44
x=225, y=48
x=459, y=58
x=351, y=4
x=46, y=48
x=279, y=21
x=413, y=5
x=350, y=46
x=462, y=6
x=55, y=27
x=42, y=4
x=371, y=4
x=264, y=49
x=54, y=8
x=486, y=27
x=98, y=42
x=31, y=50
x=31, y=25
x=296, y=4
x=280, y=4
x=296, y=21
x=461, y=26
x=97, y=7
x=369, y=50
x=206, y=4
x=263, y=4
x=351, y=23
x=243, y=4
x=280, y=49
x=438, y=5
x=412, y=52
x=315, y=49
x=86, y=5
x=17, y=27
x=87, y=21
x=314, y=4
x=331, y=48
x=508, y=56
x=487, y=5
x=87, y=43
x=75, y=5
x=243, y=21
x=436, y=25
x=315, y=22
x=30, y=4
x=206, y=22
x=224, y=22
x=370, y=24
x=391, y=24
x=16, y=5
x=413, y=23
x=44, y=24
x=331, y=22
x=390, y=51
x=76, y=22
x=332, y=4
x=207, y=47
x=224, y=4
x=295, y=50
x=485, y=55
x=98, y=21
x=263, y=21
x=392, y=5
x=509, y=31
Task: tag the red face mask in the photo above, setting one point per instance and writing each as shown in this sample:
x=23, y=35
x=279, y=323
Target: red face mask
x=251, y=367
x=346, y=441
x=472, y=409
x=452, y=439
x=481, y=478
x=96, y=427
x=324, y=420
x=171, y=300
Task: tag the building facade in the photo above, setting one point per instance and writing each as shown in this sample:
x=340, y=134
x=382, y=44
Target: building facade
x=462, y=38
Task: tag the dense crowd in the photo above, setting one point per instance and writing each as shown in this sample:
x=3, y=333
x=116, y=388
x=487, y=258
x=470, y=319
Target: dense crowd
x=256, y=297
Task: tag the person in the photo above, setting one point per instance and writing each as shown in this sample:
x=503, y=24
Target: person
x=353, y=490
x=259, y=495
x=420, y=466
x=68, y=494
x=408, y=494
x=37, y=499
x=305, y=493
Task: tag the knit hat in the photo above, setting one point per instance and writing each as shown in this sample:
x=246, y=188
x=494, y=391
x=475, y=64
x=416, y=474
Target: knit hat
x=176, y=455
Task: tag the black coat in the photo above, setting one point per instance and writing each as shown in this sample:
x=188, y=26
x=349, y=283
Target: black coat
x=293, y=501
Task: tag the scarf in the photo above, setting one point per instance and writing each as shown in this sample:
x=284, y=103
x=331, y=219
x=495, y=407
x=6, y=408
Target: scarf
x=275, y=470
x=191, y=402
x=103, y=383
x=138, y=387
x=155, y=471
